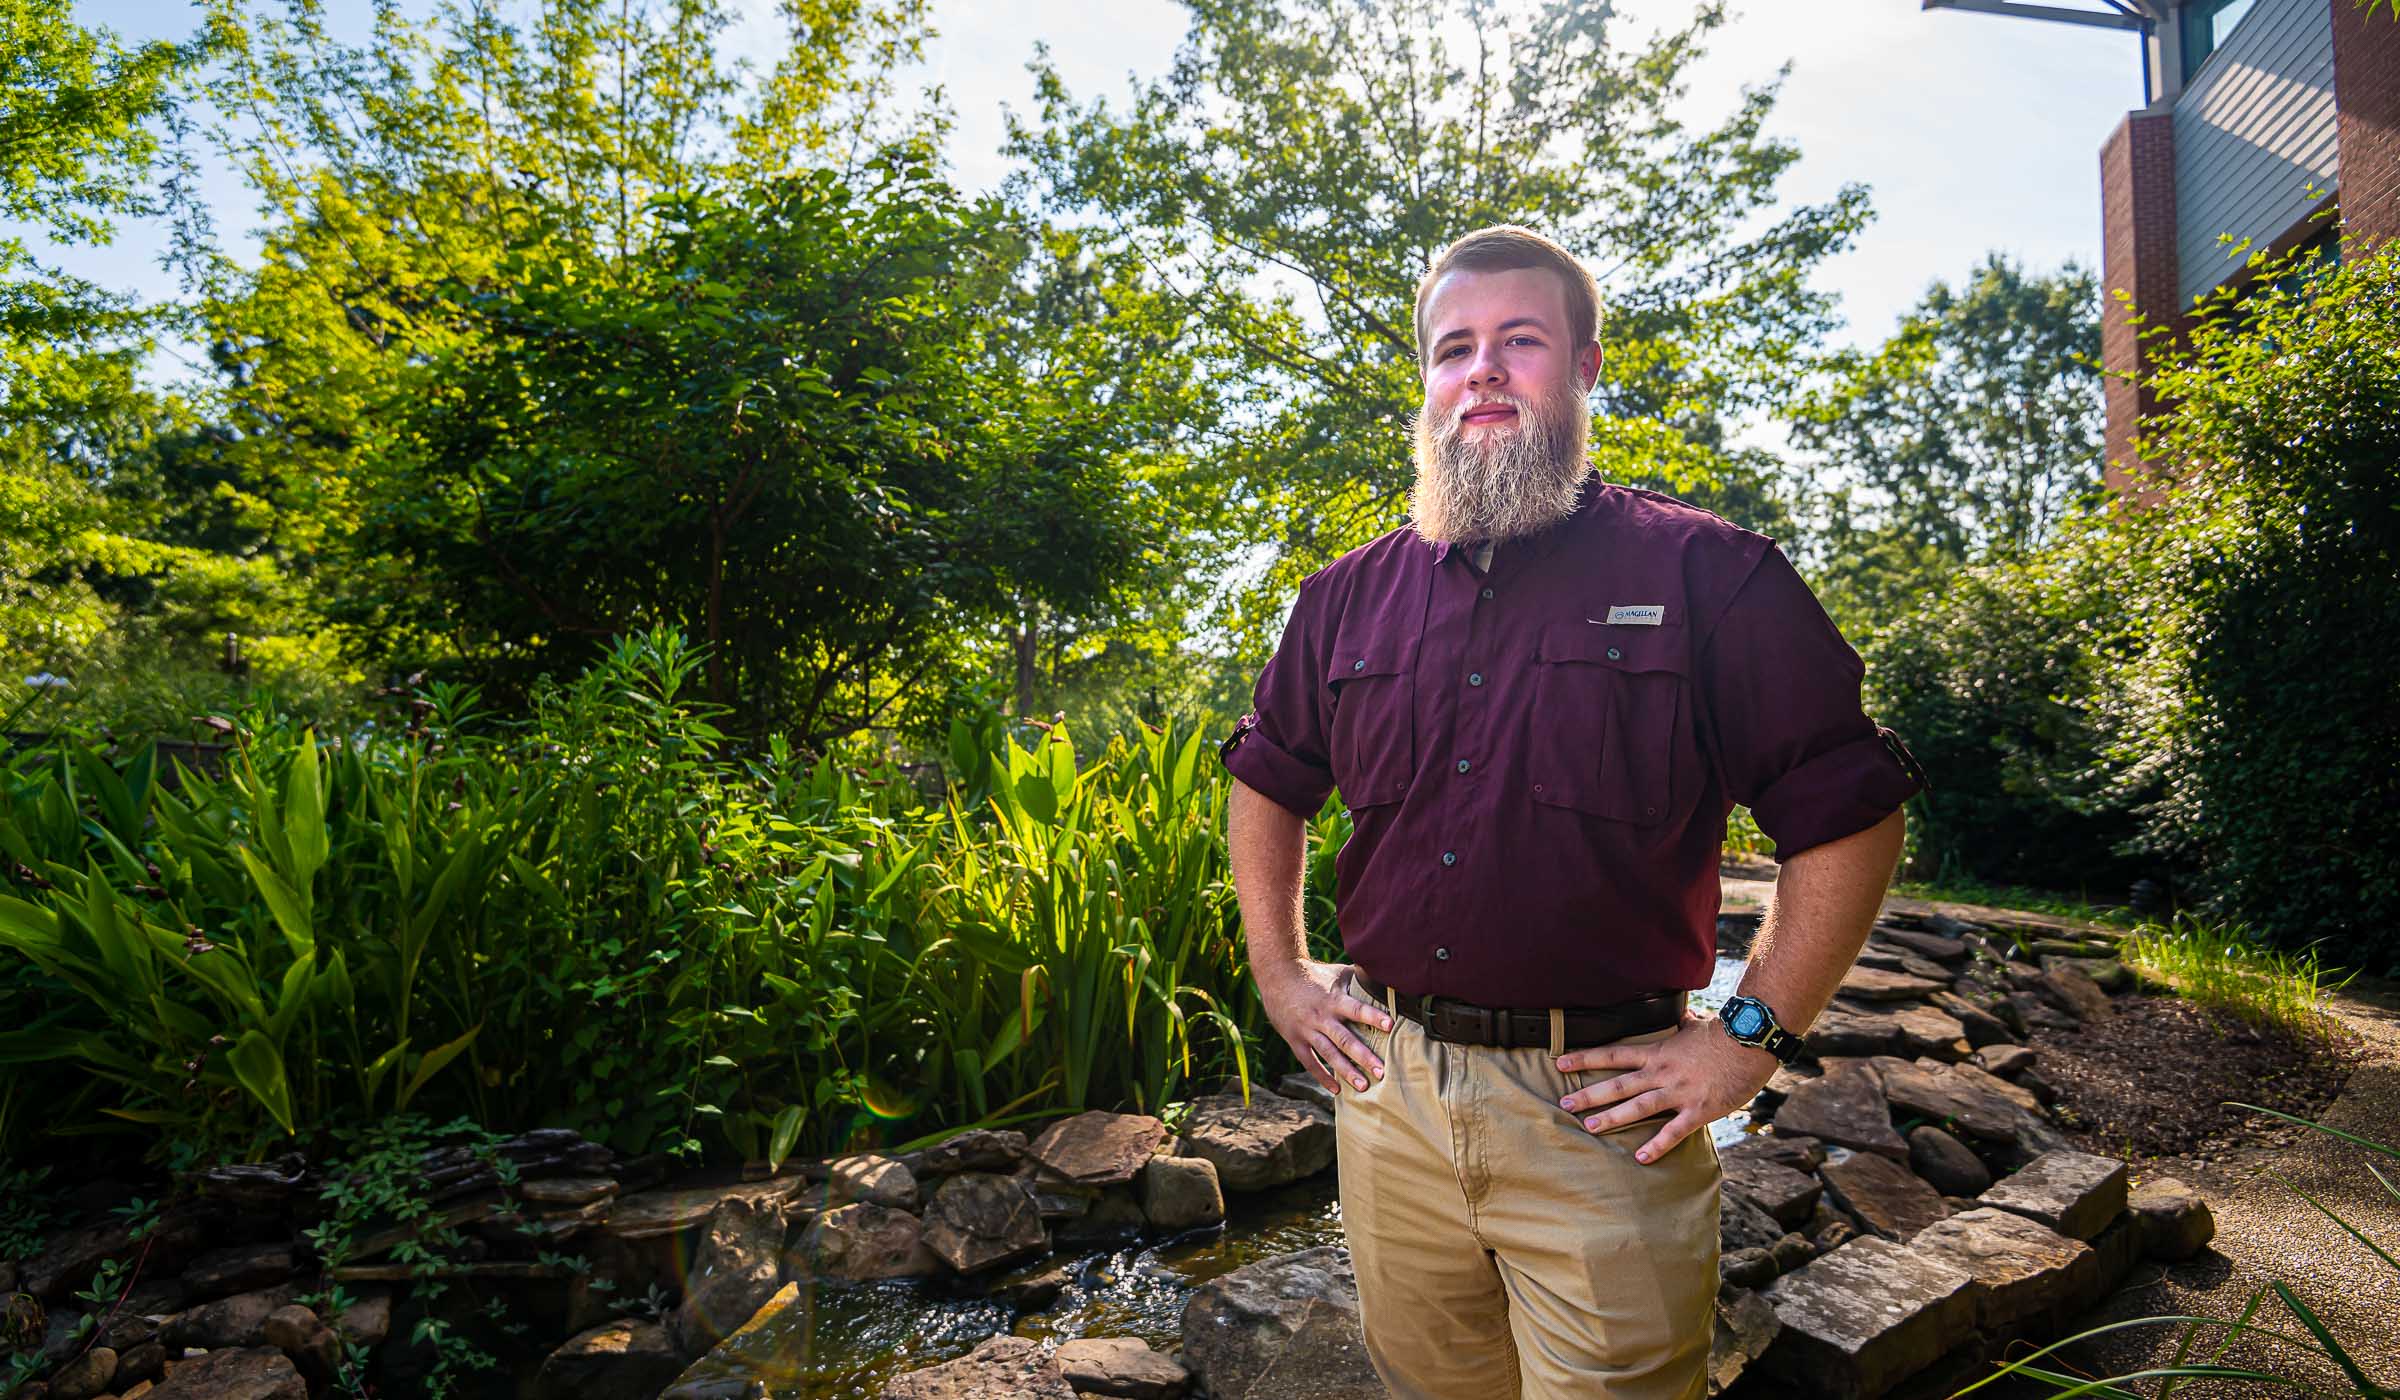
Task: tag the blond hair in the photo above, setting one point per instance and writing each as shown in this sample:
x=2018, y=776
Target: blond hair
x=1504, y=248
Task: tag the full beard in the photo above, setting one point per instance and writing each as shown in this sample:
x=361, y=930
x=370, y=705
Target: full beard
x=1505, y=482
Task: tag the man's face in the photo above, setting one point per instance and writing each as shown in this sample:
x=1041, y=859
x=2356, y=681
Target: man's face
x=1500, y=437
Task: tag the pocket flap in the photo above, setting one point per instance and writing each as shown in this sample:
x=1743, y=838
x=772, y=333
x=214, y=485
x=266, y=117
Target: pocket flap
x=1355, y=658
x=1623, y=648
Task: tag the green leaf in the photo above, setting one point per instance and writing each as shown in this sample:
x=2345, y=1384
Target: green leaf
x=432, y=1064
x=290, y=914
x=304, y=817
x=258, y=1065
x=785, y=1136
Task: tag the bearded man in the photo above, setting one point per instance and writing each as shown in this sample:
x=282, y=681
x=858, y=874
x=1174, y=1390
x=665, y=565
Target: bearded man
x=1540, y=701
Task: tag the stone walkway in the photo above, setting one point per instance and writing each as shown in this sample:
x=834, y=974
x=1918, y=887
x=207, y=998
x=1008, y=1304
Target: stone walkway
x=2265, y=1231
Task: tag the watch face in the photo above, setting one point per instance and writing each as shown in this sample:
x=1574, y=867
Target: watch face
x=1747, y=1020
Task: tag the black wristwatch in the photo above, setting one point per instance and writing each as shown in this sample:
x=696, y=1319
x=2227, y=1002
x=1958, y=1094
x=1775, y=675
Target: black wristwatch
x=1749, y=1022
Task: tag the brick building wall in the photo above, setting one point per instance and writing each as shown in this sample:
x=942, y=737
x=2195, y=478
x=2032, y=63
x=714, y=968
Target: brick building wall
x=2366, y=92
x=2137, y=257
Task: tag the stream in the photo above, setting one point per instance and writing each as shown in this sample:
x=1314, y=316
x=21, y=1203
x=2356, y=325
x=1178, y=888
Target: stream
x=843, y=1342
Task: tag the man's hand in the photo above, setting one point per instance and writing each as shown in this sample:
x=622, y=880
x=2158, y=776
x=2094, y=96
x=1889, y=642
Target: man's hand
x=1700, y=1073
x=1310, y=1007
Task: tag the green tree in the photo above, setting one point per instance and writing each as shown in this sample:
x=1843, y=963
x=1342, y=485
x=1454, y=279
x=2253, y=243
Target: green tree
x=81, y=117
x=567, y=327
x=1295, y=172
x=1966, y=434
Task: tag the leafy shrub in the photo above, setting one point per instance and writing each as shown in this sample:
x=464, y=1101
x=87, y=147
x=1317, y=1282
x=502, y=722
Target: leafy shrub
x=2266, y=709
x=2002, y=681
x=607, y=919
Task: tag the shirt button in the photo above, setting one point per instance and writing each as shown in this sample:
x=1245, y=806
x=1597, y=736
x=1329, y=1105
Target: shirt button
x=1613, y=655
x=1475, y=678
x=1463, y=765
x=1441, y=955
x=1361, y=664
x=1487, y=593
x=1449, y=857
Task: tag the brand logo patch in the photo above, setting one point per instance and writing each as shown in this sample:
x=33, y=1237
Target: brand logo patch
x=1635, y=614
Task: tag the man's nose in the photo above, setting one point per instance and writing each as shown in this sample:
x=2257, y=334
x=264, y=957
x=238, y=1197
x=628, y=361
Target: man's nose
x=1486, y=371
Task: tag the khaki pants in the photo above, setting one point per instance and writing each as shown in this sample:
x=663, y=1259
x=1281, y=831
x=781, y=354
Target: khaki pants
x=1501, y=1249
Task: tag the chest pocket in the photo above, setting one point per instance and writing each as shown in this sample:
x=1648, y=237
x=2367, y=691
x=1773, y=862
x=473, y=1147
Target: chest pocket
x=1611, y=721
x=1374, y=722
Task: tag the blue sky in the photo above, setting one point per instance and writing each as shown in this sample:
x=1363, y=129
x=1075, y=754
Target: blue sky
x=1975, y=133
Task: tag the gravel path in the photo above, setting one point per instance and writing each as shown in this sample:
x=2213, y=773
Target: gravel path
x=2267, y=1233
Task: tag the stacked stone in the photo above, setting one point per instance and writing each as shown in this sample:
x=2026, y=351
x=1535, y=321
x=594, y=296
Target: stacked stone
x=1911, y=1206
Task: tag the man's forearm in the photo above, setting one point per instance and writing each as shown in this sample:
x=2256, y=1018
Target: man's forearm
x=1826, y=899
x=1267, y=847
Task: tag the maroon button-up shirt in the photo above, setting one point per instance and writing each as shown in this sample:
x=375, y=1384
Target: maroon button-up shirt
x=1539, y=758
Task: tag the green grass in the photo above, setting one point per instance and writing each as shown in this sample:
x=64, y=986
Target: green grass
x=2220, y=967
x=1967, y=890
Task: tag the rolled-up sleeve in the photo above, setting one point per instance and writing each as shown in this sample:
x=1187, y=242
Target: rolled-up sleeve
x=1280, y=748
x=1786, y=731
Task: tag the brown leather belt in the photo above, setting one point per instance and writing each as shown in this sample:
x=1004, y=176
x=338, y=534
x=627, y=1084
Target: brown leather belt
x=1464, y=1023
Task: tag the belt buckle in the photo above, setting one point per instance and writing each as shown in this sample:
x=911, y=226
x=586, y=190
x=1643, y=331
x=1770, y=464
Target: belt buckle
x=1459, y=1023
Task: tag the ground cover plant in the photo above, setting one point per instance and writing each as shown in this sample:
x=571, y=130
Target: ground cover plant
x=607, y=919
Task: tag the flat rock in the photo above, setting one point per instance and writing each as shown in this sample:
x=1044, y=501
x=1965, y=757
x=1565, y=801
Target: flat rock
x=1002, y=1368
x=1907, y=1029
x=1968, y=1101
x=2070, y=990
x=624, y=1359
x=235, y=1322
x=1747, y=1268
x=1743, y=1224
x=736, y=1268
x=1884, y=1196
x=1284, y=1326
x=1845, y=1107
x=649, y=1214
x=1121, y=1366
x=2022, y=1268
x=981, y=1219
x=2108, y=974
x=2174, y=1220
x=1099, y=1149
x=245, y=1373
x=2004, y=1061
x=1746, y=1327
x=1784, y=1193
x=1792, y=1148
x=861, y=1243
x=239, y=1269
x=1181, y=1193
x=1778, y=1087
x=1982, y=1027
x=1947, y=1165
x=2040, y=1013
x=975, y=1150
x=567, y=1192
x=2075, y=1193
x=1924, y=945
x=874, y=1179
x=1871, y=984
x=1859, y=1319
x=1300, y=1086
x=1269, y=1142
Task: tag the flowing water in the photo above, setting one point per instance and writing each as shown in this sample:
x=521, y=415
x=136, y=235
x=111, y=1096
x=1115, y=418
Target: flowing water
x=844, y=1342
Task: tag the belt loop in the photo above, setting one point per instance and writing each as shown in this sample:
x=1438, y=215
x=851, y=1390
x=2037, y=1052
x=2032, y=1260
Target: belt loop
x=1558, y=1031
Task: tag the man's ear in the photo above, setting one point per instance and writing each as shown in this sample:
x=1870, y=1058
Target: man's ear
x=1587, y=366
